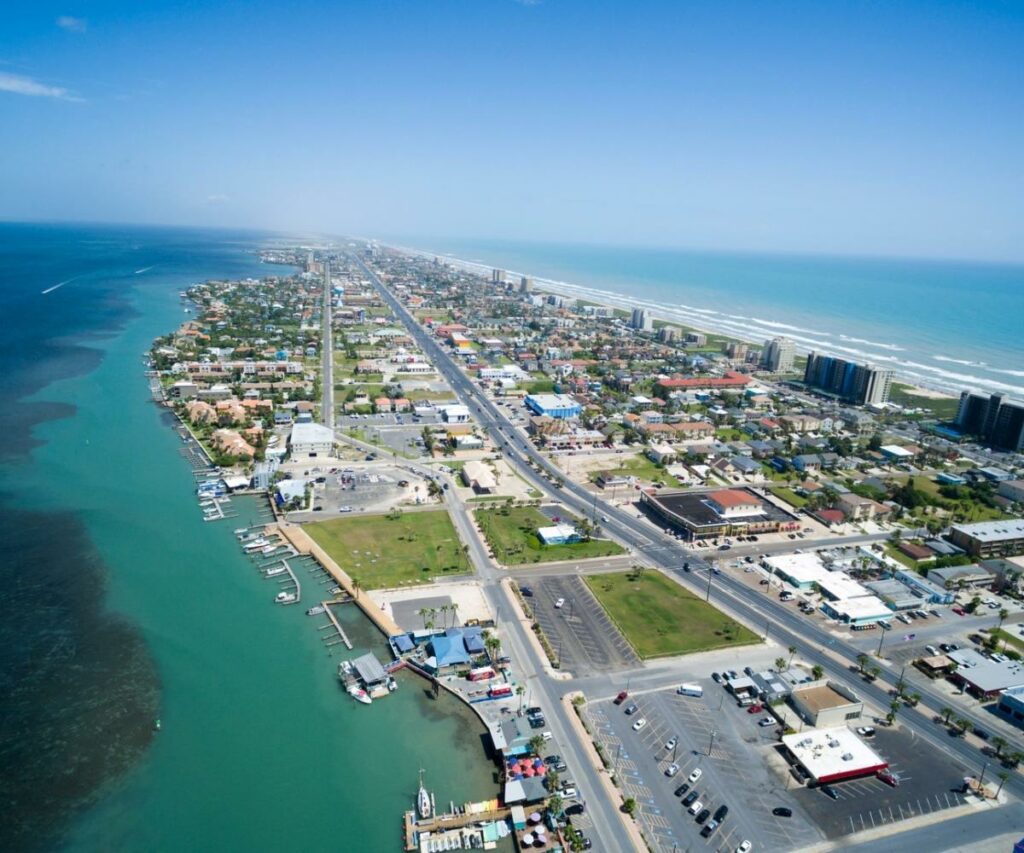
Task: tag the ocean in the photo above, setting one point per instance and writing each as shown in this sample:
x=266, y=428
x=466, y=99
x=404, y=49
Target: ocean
x=121, y=606
x=943, y=325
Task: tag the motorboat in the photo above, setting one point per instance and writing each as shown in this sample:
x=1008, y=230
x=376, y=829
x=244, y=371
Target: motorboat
x=275, y=570
x=285, y=598
x=316, y=611
x=360, y=695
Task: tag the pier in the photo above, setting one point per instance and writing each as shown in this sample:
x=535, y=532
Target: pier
x=342, y=637
x=304, y=544
x=413, y=826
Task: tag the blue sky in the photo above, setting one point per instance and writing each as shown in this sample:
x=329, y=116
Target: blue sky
x=876, y=128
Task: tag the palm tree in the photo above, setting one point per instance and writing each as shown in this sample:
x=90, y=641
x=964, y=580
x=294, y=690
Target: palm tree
x=555, y=805
x=862, y=662
x=1003, y=776
x=536, y=744
x=455, y=613
x=792, y=652
x=817, y=671
x=946, y=712
x=521, y=692
x=1003, y=613
x=964, y=725
x=780, y=664
x=356, y=586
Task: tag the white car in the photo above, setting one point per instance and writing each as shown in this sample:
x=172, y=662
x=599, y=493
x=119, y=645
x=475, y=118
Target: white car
x=671, y=742
x=744, y=847
x=546, y=735
x=672, y=769
x=694, y=776
x=639, y=724
x=766, y=721
x=569, y=792
x=695, y=807
x=558, y=603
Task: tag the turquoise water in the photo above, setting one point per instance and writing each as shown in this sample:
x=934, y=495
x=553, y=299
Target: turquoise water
x=949, y=325
x=259, y=747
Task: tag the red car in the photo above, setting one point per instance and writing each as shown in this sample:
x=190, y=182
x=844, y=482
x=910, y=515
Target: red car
x=959, y=611
x=888, y=778
x=621, y=697
x=755, y=709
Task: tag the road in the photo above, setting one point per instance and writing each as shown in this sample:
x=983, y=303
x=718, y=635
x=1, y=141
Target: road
x=327, y=348
x=815, y=644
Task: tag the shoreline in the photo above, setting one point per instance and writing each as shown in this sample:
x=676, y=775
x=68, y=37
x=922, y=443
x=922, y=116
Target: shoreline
x=701, y=320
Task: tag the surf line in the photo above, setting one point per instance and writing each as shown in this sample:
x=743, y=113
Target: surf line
x=61, y=284
x=144, y=269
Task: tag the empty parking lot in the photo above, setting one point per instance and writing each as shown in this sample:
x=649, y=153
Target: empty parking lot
x=580, y=631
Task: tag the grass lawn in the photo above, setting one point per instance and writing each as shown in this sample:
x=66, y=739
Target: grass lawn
x=642, y=467
x=1016, y=642
x=729, y=434
x=511, y=533
x=660, y=618
x=382, y=551
x=943, y=408
x=788, y=495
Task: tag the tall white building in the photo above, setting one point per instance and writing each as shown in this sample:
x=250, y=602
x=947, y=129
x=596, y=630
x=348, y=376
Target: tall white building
x=641, y=320
x=778, y=355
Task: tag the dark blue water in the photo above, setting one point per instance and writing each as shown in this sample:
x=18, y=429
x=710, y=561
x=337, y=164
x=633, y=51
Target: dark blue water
x=78, y=688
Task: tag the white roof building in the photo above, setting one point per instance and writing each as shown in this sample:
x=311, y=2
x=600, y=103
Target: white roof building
x=310, y=439
x=833, y=754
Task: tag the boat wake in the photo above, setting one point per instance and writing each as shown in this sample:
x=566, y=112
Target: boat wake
x=60, y=284
x=144, y=269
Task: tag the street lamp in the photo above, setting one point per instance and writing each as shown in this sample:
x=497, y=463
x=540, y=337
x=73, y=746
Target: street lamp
x=711, y=745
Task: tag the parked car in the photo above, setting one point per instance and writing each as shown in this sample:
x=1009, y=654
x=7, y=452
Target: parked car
x=690, y=798
x=755, y=709
x=766, y=721
x=703, y=815
x=551, y=760
x=829, y=791
x=559, y=602
x=744, y=847
x=694, y=776
x=639, y=724
x=866, y=731
x=695, y=807
x=709, y=829
x=671, y=770
x=621, y=698
x=782, y=811
x=527, y=591
x=631, y=709
x=671, y=742
x=716, y=677
x=721, y=812
x=682, y=789
x=959, y=611
x=888, y=778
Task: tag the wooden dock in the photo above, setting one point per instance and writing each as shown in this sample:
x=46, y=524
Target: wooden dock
x=444, y=822
x=337, y=625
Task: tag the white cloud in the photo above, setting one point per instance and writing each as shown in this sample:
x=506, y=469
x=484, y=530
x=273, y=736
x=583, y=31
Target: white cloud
x=217, y=198
x=21, y=85
x=72, y=25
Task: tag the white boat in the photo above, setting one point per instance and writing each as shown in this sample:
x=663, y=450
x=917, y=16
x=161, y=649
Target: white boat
x=276, y=570
x=241, y=531
x=257, y=545
x=360, y=695
x=423, y=800
x=316, y=611
x=285, y=597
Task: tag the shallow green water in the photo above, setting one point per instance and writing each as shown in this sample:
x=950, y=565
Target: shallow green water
x=259, y=749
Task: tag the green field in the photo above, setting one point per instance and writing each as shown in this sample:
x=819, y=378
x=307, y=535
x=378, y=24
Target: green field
x=943, y=408
x=384, y=551
x=642, y=467
x=511, y=534
x=788, y=495
x=660, y=618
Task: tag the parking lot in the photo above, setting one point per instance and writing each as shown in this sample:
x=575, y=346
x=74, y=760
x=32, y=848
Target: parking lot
x=929, y=781
x=726, y=745
x=580, y=631
x=355, y=488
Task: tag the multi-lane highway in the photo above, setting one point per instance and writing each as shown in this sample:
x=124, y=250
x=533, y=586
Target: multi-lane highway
x=815, y=644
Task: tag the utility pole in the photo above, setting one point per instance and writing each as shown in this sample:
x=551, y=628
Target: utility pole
x=707, y=594
x=711, y=745
x=881, y=639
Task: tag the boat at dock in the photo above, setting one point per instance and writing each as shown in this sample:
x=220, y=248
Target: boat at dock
x=423, y=803
x=360, y=695
x=316, y=611
x=276, y=570
x=285, y=598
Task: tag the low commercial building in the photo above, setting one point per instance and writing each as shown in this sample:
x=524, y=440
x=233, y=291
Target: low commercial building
x=983, y=677
x=858, y=508
x=986, y=539
x=801, y=571
x=969, y=577
x=833, y=754
x=1011, y=704
x=826, y=703
x=724, y=512
x=478, y=477
x=310, y=439
x=558, y=534
x=553, y=405
x=862, y=610
x=454, y=414
x=897, y=596
x=932, y=589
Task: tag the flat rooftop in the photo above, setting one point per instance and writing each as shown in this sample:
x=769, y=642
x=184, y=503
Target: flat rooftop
x=993, y=531
x=820, y=698
x=695, y=507
x=833, y=754
x=802, y=568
